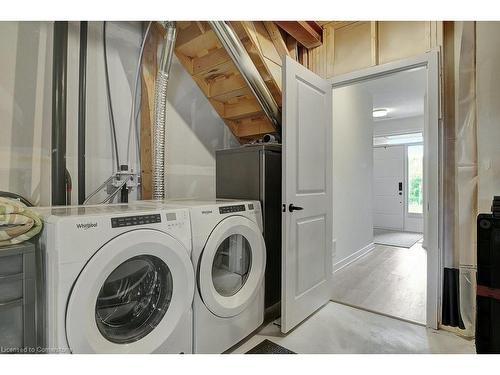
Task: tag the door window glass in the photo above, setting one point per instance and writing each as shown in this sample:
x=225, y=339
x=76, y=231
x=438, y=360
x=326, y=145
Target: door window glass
x=231, y=265
x=415, y=177
x=133, y=299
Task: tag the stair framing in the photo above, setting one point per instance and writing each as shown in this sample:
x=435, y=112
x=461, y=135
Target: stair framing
x=202, y=55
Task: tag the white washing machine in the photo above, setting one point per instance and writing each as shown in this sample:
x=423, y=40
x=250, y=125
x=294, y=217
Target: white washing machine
x=119, y=279
x=229, y=258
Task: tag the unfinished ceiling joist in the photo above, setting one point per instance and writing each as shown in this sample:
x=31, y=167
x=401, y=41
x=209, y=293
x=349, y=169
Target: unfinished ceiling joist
x=307, y=33
x=203, y=56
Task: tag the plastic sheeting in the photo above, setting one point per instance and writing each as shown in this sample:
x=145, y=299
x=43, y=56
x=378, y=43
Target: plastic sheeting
x=466, y=176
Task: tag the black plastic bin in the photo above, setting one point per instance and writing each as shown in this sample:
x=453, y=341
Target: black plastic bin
x=488, y=281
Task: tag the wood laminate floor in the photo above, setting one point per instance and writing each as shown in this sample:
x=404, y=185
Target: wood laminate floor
x=337, y=328
x=388, y=280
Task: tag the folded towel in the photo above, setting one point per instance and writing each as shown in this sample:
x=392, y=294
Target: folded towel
x=17, y=222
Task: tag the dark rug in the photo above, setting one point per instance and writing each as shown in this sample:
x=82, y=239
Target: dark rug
x=269, y=347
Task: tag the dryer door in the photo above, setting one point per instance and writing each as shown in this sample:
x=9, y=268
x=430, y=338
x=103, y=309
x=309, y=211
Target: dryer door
x=130, y=295
x=232, y=265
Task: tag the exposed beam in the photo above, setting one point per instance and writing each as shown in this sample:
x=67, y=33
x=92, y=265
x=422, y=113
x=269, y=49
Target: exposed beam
x=374, y=42
x=305, y=32
x=303, y=56
x=252, y=127
x=336, y=24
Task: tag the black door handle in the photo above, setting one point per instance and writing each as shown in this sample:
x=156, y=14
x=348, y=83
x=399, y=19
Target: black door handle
x=292, y=208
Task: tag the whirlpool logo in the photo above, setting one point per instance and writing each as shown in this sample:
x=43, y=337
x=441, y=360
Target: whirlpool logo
x=86, y=226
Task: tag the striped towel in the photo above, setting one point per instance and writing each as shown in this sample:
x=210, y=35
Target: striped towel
x=17, y=222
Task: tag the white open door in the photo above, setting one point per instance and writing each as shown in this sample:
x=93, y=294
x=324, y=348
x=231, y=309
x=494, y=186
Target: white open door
x=307, y=194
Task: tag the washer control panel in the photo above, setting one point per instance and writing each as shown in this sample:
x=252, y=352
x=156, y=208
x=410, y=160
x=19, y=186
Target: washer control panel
x=127, y=221
x=231, y=209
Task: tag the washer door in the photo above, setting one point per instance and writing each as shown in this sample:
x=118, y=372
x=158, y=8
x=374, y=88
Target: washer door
x=232, y=266
x=131, y=294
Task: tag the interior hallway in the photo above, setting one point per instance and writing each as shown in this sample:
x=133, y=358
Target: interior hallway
x=337, y=328
x=389, y=280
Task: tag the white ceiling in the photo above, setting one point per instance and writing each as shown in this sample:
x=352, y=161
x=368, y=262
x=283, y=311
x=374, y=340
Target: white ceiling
x=401, y=93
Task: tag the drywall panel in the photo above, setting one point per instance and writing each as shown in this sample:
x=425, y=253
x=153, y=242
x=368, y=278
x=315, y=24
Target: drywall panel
x=488, y=112
x=123, y=41
x=352, y=171
x=401, y=39
x=25, y=108
x=352, y=48
x=195, y=131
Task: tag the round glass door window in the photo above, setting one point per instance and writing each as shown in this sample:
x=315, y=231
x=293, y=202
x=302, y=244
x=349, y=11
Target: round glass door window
x=133, y=299
x=231, y=266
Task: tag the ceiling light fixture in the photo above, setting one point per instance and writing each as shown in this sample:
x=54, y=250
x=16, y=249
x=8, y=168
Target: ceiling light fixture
x=377, y=113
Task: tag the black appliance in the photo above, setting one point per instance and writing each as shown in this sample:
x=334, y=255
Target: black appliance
x=488, y=281
x=254, y=172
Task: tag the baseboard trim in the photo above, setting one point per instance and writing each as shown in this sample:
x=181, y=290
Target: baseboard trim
x=353, y=257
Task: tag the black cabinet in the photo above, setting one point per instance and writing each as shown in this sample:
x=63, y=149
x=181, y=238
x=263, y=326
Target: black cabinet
x=488, y=283
x=254, y=172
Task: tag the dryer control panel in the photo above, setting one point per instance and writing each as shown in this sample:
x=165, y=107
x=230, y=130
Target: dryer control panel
x=231, y=209
x=127, y=221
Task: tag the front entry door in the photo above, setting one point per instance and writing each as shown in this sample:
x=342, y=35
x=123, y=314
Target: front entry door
x=388, y=189
x=307, y=194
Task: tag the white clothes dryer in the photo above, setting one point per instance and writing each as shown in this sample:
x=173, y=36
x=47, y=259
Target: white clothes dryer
x=119, y=279
x=229, y=258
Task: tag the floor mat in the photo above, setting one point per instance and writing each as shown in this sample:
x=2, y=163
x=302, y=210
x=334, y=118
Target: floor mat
x=393, y=238
x=269, y=347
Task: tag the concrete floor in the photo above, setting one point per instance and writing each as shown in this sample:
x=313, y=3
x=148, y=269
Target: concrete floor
x=388, y=280
x=337, y=328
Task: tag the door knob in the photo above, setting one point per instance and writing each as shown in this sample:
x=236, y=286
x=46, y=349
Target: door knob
x=292, y=208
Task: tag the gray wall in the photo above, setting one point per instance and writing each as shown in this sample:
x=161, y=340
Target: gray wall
x=25, y=108
x=194, y=130
x=352, y=171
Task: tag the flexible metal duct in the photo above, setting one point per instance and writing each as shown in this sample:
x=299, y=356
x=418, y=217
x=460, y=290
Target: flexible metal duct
x=245, y=65
x=159, y=135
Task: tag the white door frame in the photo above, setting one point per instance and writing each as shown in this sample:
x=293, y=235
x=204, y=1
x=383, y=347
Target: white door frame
x=433, y=219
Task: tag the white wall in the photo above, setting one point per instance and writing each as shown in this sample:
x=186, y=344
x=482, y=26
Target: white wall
x=488, y=112
x=123, y=41
x=352, y=172
x=25, y=108
x=398, y=126
x=194, y=130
